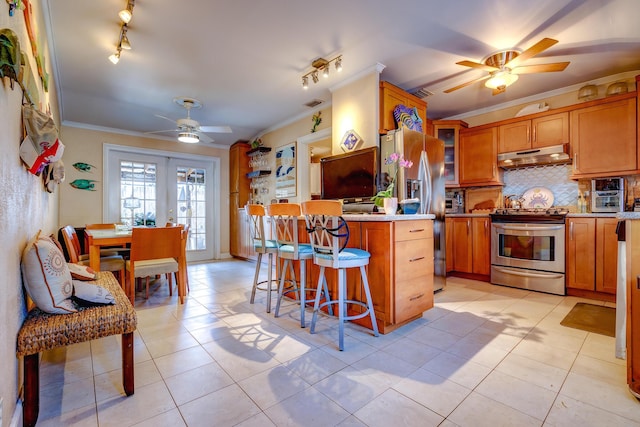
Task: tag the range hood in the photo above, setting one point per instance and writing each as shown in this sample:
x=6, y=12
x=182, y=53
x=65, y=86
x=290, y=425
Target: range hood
x=535, y=156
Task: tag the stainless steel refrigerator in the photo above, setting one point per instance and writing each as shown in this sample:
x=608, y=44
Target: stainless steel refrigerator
x=424, y=181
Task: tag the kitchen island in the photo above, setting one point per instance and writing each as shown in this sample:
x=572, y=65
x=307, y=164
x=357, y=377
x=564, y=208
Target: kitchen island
x=400, y=270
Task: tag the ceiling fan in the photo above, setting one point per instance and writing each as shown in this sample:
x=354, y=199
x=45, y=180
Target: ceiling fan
x=189, y=130
x=504, y=66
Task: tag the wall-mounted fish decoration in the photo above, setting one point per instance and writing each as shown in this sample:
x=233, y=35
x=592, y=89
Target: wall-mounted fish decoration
x=84, y=184
x=83, y=167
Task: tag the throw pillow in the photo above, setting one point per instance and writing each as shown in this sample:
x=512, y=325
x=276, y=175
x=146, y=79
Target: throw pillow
x=81, y=272
x=46, y=276
x=89, y=292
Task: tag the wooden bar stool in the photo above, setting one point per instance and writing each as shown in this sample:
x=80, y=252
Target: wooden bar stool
x=329, y=234
x=261, y=245
x=284, y=217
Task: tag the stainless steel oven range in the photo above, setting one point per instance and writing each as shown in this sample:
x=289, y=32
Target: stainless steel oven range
x=527, y=249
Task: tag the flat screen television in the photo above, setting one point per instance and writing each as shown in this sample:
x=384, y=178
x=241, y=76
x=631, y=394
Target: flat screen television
x=352, y=177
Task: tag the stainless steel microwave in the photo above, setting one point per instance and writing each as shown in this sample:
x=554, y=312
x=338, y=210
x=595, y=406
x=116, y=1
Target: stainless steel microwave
x=607, y=195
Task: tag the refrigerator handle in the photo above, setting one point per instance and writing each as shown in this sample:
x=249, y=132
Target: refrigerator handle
x=425, y=176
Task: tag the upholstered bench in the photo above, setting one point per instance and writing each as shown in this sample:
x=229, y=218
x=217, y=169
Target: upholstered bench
x=42, y=331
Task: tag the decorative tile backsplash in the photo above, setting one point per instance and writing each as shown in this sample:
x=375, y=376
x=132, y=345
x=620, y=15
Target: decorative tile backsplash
x=553, y=177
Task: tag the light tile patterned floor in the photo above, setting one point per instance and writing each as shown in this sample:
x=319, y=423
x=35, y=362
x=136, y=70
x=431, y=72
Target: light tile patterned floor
x=485, y=355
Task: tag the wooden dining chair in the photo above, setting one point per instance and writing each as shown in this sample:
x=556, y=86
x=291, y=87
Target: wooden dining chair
x=185, y=239
x=329, y=234
x=155, y=251
x=108, y=262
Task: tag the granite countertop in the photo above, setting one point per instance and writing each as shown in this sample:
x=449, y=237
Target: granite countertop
x=628, y=215
x=466, y=215
x=373, y=217
x=594, y=215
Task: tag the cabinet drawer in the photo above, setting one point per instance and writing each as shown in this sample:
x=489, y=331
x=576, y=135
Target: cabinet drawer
x=411, y=230
x=413, y=297
x=413, y=258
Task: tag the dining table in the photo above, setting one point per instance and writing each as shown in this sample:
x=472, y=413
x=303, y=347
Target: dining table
x=113, y=237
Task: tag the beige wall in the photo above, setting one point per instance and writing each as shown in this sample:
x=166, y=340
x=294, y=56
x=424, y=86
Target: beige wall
x=356, y=107
x=291, y=133
x=25, y=208
x=80, y=207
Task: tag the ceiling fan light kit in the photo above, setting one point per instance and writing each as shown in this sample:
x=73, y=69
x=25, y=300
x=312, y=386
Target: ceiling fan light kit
x=188, y=137
x=189, y=130
x=505, y=66
x=321, y=65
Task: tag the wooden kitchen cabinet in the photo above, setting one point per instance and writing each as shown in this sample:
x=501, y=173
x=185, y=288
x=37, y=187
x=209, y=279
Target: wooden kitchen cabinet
x=478, y=157
x=481, y=247
x=534, y=133
x=449, y=132
x=468, y=242
x=606, y=255
x=581, y=253
x=400, y=270
x=603, y=138
x=390, y=97
x=238, y=197
x=448, y=232
x=462, y=245
x=591, y=256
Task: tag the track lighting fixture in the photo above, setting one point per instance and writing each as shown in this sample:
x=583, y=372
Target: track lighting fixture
x=321, y=65
x=123, y=41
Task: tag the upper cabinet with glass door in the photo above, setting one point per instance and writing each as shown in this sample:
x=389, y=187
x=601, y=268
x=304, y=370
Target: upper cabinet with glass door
x=449, y=132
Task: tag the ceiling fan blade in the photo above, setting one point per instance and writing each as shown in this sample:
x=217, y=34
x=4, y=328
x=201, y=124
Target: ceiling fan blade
x=477, y=65
x=542, y=45
x=164, y=117
x=216, y=129
x=499, y=90
x=204, y=138
x=163, y=131
x=467, y=83
x=541, y=68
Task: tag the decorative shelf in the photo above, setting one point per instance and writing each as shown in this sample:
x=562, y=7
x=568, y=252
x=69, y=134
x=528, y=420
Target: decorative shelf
x=258, y=150
x=258, y=173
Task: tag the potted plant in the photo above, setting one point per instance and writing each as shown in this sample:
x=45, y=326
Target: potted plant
x=385, y=198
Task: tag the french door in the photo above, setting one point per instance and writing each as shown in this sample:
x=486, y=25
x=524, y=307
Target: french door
x=146, y=189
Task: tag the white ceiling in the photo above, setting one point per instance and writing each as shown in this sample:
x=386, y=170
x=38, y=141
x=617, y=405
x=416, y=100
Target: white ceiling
x=244, y=59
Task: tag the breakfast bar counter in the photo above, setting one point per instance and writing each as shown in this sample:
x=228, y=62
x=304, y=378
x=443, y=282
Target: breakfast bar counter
x=400, y=269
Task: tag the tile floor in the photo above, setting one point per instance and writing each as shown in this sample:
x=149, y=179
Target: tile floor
x=485, y=355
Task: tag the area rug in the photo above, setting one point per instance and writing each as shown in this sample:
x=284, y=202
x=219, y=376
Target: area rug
x=592, y=318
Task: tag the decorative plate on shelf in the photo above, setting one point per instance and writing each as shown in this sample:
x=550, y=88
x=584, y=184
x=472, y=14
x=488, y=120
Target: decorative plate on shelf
x=537, y=197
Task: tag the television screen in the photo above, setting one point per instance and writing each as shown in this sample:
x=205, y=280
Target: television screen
x=351, y=175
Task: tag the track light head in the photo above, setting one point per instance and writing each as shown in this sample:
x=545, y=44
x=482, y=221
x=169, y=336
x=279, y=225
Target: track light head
x=127, y=13
x=314, y=76
x=339, y=64
x=325, y=72
x=115, y=57
x=305, y=82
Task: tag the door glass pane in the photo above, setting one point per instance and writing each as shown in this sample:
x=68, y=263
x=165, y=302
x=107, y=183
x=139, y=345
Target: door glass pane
x=191, y=205
x=138, y=193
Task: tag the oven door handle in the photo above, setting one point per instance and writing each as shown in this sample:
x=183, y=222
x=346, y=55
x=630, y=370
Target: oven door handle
x=529, y=273
x=529, y=228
